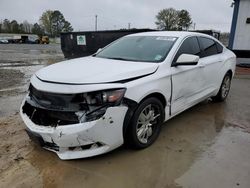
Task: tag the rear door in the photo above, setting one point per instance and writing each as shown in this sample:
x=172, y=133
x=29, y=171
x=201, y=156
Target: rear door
x=187, y=81
x=211, y=61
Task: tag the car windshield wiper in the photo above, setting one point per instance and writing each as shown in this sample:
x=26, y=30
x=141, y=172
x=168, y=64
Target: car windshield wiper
x=123, y=59
x=119, y=58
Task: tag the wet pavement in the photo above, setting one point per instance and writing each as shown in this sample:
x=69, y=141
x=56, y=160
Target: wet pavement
x=17, y=64
x=205, y=146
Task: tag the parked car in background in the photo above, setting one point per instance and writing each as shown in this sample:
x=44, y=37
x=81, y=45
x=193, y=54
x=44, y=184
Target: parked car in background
x=123, y=93
x=4, y=41
x=32, y=39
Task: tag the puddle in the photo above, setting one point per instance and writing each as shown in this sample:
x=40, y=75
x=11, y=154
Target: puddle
x=14, y=84
x=17, y=64
x=224, y=164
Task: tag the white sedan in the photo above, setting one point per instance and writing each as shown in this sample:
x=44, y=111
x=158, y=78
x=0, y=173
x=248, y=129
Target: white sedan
x=122, y=94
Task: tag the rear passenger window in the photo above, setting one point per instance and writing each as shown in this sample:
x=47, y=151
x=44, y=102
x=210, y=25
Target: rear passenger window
x=189, y=46
x=208, y=46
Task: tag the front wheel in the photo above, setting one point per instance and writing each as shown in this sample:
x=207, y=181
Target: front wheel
x=224, y=89
x=145, y=125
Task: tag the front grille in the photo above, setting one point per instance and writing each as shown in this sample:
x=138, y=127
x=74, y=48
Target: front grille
x=53, y=109
x=55, y=101
x=46, y=117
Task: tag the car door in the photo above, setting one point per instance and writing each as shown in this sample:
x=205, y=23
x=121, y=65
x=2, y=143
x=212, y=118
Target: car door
x=212, y=61
x=187, y=81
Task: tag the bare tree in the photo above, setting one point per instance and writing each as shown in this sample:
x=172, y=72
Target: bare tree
x=167, y=19
x=27, y=27
x=171, y=19
x=185, y=20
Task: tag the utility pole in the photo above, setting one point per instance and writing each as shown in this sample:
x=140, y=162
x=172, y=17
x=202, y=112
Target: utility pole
x=95, y=22
x=129, y=25
x=194, y=25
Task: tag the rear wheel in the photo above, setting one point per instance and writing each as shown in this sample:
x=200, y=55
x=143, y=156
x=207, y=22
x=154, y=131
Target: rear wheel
x=145, y=125
x=224, y=89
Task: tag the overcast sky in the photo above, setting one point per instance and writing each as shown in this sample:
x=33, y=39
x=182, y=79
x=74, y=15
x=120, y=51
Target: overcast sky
x=116, y=14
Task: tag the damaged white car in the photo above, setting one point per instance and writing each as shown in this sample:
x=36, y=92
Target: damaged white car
x=122, y=94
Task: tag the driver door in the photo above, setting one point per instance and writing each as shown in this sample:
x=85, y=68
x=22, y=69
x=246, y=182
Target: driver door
x=187, y=80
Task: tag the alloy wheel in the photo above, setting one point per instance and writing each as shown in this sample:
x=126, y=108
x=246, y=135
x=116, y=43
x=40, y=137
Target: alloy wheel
x=146, y=123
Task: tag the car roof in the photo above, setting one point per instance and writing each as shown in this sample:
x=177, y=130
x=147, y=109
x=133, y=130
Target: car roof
x=179, y=34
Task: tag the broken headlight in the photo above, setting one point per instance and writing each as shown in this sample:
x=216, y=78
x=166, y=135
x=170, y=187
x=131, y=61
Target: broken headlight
x=96, y=103
x=104, y=97
x=54, y=109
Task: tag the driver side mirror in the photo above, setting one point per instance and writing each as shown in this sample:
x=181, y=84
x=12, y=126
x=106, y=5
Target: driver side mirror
x=100, y=49
x=186, y=59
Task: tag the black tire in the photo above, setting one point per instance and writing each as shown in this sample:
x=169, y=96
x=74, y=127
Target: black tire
x=222, y=94
x=132, y=133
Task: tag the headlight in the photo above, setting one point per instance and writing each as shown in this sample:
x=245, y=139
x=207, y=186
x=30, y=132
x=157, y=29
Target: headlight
x=97, y=102
x=113, y=96
x=105, y=97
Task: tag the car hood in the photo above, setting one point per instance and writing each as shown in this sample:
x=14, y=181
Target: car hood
x=91, y=70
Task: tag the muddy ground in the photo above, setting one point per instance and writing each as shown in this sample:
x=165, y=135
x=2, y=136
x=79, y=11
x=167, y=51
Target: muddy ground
x=205, y=146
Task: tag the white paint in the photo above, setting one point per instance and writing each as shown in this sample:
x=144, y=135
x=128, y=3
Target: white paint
x=242, y=32
x=110, y=134
x=94, y=70
x=191, y=84
x=187, y=58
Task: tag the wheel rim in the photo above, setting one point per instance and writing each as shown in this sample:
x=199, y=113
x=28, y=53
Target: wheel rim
x=225, y=87
x=146, y=123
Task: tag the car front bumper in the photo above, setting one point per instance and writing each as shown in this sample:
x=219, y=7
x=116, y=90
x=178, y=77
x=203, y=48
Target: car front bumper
x=83, y=139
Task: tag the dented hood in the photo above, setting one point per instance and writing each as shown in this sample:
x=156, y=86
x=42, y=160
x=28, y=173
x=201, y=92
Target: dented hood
x=90, y=70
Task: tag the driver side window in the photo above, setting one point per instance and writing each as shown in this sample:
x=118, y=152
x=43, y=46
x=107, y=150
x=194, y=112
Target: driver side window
x=189, y=46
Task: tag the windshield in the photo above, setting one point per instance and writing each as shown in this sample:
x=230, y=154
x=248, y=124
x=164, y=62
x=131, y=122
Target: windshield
x=139, y=48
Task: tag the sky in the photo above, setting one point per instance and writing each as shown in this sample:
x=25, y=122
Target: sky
x=117, y=14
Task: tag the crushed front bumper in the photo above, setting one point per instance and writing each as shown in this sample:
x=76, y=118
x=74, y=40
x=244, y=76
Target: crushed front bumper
x=83, y=139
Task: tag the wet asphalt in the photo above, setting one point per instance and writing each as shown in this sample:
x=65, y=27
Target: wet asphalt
x=205, y=146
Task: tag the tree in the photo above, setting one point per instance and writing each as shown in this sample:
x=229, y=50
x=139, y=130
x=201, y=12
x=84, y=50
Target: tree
x=21, y=28
x=58, y=22
x=167, y=19
x=67, y=27
x=6, y=26
x=46, y=21
x=27, y=26
x=171, y=19
x=14, y=26
x=37, y=29
x=54, y=23
x=185, y=20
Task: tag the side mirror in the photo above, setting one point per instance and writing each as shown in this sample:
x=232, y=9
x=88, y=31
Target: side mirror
x=100, y=49
x=187, y=59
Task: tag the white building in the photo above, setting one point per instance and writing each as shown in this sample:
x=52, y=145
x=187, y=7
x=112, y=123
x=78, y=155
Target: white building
x=239, y=40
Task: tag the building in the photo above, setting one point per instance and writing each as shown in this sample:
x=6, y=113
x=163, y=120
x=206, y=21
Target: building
x=239, y=40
